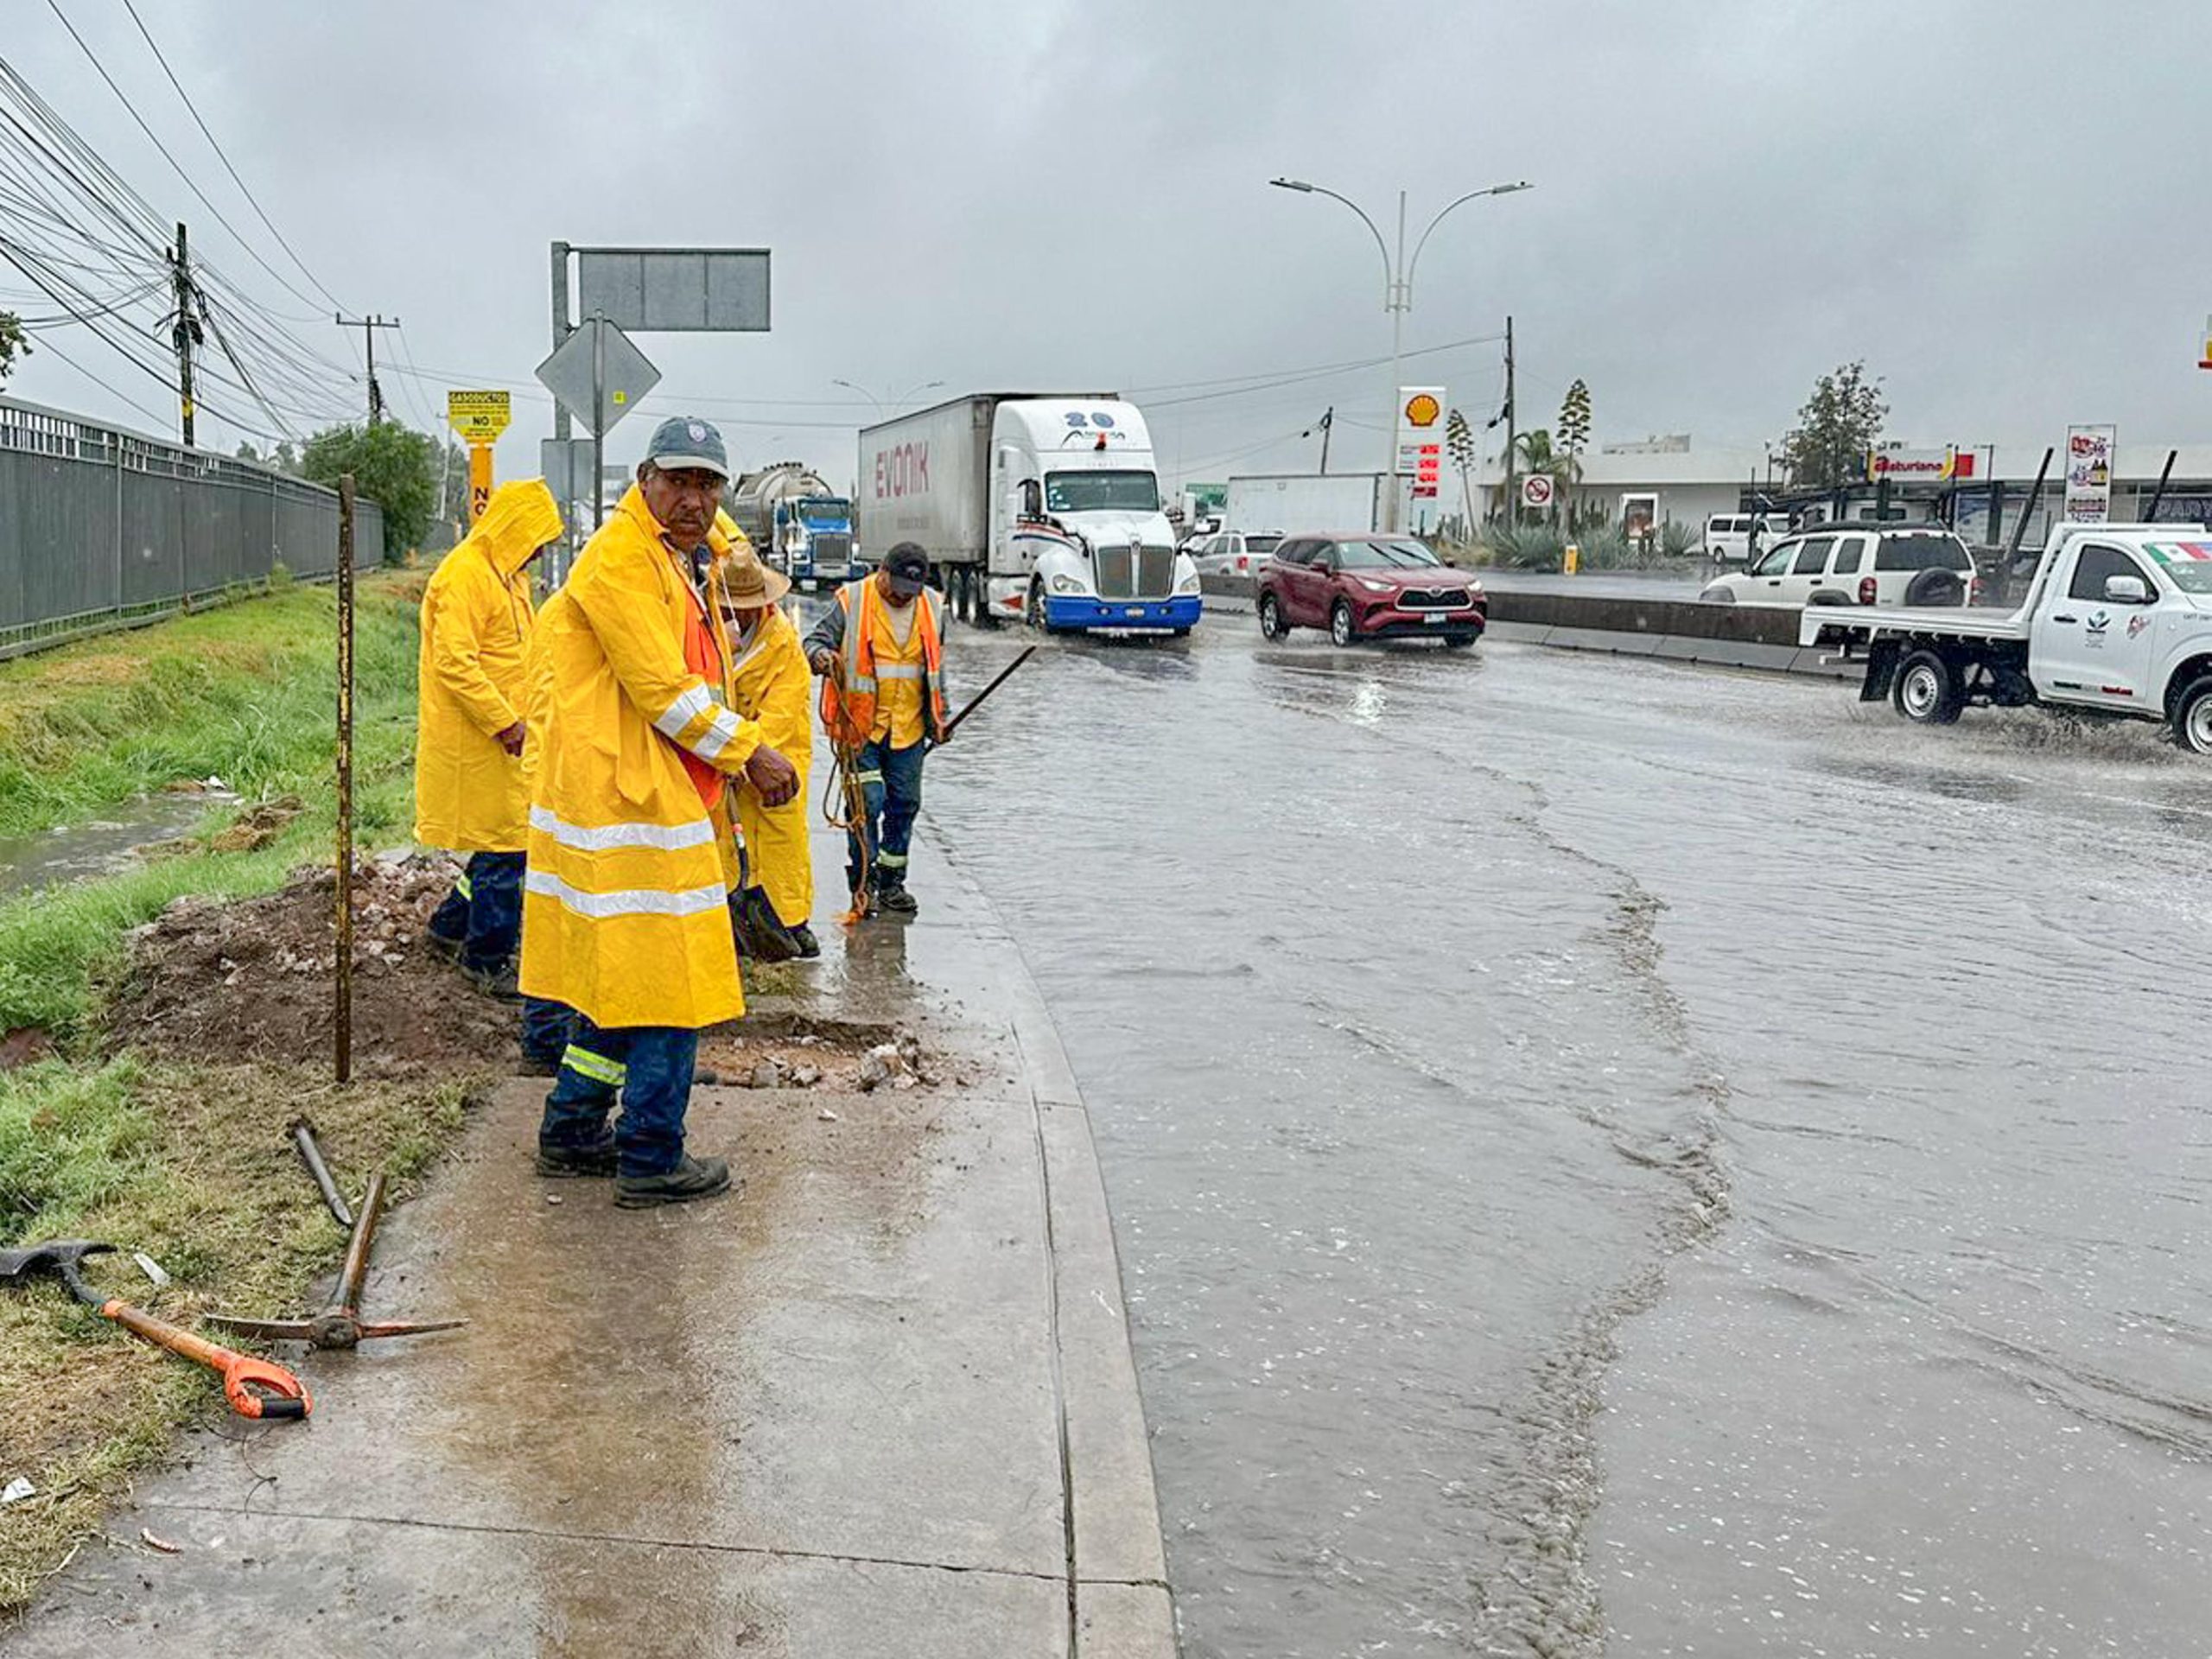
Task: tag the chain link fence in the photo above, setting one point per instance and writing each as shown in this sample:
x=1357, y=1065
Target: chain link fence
x=100, y=528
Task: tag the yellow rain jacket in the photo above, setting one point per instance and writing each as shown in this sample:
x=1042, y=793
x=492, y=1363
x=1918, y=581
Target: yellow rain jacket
x=471, y=795
x=624, y=906
x=770, y=684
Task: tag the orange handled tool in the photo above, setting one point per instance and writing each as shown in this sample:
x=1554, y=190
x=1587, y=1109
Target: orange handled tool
x=254, y=1386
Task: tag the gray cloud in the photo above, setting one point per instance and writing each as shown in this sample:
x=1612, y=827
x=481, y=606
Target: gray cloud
x=1994, y=204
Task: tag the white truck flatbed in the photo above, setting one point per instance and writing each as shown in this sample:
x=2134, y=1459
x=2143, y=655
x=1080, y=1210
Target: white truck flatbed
x=1860, y=624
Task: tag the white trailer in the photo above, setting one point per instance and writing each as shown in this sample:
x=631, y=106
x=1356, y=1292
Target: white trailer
x=1307, y=502
x=1035, y=506
x=2118, y=621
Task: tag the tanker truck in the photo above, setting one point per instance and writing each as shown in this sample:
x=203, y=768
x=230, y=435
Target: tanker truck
x=1041, y=507
x=797, y=523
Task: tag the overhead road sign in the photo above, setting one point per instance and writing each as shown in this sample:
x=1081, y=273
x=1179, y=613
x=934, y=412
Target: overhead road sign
x=720, y=290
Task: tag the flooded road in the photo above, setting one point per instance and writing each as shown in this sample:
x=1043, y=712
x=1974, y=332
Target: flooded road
x=1618, y=1159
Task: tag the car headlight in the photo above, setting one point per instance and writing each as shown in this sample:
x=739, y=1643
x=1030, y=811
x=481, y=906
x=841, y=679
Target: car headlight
x=1373, y=587
x=1066, y=585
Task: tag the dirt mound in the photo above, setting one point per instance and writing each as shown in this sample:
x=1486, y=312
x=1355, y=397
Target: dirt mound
x=252, y=978
x=229, y=981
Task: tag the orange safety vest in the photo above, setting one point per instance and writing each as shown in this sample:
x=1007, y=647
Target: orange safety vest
x=849, y=715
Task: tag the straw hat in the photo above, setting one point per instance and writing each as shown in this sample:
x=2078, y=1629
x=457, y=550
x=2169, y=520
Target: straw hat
x=749, y=585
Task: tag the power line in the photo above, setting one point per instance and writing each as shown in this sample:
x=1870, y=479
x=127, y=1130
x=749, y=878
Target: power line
x=250, y=202
x=55, y=7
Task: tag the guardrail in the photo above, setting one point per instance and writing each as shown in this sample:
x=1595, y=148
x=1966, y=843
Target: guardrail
x=103, y=528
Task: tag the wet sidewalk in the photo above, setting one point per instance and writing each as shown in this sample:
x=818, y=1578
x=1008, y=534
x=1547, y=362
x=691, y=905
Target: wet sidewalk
x=878, y=1403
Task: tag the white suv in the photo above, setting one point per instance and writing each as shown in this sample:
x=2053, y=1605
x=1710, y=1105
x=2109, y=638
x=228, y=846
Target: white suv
x=1728, y=535
x=1235, y=552
x=1856, y=564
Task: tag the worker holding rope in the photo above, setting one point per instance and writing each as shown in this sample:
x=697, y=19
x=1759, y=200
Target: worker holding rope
x=881, y=652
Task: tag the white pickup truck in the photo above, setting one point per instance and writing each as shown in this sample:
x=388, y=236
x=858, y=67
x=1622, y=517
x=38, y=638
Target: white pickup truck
x=2119, y=619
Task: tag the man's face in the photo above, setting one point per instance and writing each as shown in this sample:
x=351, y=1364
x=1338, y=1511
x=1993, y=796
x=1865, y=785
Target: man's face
x=893, y=595
x=683, y=501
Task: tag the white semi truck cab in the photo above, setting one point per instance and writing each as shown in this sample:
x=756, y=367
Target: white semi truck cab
x=1042, y=508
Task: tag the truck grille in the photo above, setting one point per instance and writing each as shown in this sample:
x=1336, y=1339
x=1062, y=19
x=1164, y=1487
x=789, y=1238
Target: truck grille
x=1431, y=598
x=1150, y=575
x=833, y=552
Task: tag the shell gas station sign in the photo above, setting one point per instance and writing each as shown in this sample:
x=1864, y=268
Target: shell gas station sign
x=1421, y=439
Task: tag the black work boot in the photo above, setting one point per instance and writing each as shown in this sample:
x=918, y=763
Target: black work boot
x=444, y=947
x=891, y=895
x=598, y=1159
x=693, y=1177
x=808, y=946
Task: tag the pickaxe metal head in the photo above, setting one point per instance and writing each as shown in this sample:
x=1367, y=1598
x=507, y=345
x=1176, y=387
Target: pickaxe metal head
x=60, y=1256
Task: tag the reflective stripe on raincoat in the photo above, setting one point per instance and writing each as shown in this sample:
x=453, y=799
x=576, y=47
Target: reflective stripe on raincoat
x=624, y=916
x=849, y=713
x=470, y=794
x=769, y=684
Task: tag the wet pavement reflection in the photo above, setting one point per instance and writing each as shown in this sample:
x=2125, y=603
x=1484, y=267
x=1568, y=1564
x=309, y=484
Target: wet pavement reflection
x=1610, y=1158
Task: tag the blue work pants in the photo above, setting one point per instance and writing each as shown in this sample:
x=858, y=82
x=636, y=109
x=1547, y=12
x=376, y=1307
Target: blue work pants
x=483, y=913
x=648, y=1069
x=891, y=782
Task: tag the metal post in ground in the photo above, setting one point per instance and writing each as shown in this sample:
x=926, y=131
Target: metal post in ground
x=598, y=417
x=342, y=1011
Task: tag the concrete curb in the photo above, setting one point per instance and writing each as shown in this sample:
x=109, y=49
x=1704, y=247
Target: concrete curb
x=1122, y=1607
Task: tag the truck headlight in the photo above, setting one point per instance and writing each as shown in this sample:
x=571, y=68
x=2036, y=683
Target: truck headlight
x=1189, y=584
x=1066, y=585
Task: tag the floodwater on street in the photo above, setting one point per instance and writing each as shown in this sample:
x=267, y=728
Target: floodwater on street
x=1610, y=1158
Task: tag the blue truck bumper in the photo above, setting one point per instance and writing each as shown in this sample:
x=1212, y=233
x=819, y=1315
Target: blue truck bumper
x=1180, y=614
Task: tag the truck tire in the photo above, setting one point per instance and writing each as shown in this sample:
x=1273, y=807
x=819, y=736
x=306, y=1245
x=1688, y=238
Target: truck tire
x=1341, y=633
x=1927, y=690
x=1033, y=612
x=1935, y=587
x=2193, y=715
x=1272, y=626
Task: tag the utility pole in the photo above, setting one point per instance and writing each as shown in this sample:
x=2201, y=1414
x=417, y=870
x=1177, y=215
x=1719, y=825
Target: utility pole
x=1328, y=425
x=1512, y=501
x=368, y=326
x=184, y=333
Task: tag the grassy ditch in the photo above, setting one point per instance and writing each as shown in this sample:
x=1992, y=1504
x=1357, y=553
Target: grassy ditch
x=184, y=1160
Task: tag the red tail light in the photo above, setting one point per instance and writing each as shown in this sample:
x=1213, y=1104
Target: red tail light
x=1867, y=590
x=1974, y=589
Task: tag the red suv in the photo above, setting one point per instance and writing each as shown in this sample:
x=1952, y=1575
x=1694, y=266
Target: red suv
x=1369, y=588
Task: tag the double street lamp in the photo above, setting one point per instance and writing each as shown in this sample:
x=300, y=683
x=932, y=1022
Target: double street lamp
x=898, y=402
x=1398, y=289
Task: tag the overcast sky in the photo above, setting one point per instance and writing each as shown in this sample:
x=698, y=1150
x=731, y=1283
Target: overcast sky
x=2001, y=206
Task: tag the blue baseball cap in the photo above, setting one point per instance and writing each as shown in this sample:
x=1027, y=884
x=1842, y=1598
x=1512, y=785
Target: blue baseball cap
x=685, y=441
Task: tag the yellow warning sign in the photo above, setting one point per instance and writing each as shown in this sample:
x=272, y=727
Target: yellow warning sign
x=479, y=417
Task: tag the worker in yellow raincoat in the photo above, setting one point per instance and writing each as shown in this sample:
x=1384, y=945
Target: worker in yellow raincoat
x=471, y=794
x=624, y=916
x=770, y=683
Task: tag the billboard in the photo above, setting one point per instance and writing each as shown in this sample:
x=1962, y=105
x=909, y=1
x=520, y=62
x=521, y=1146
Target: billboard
x=2090, y=452
x=674, y=289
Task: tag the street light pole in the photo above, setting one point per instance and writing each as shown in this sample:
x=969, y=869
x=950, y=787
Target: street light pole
x=1397, y=293
x=903, y=398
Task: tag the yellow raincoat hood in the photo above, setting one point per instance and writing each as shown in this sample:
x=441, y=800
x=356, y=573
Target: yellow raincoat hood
x=470, y=794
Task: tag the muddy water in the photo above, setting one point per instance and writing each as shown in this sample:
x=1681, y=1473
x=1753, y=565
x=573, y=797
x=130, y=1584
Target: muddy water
x=99, y=846
x=1613, y=1159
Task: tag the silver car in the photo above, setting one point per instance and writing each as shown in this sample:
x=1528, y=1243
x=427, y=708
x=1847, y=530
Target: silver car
x=1235, y=552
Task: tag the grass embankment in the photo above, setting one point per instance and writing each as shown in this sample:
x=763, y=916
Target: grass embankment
x=188, y=1163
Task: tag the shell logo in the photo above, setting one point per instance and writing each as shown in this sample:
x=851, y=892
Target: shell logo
x=1421, y=410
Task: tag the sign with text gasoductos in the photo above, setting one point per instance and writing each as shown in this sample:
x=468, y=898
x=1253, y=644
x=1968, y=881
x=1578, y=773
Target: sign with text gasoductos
x=2090, y=453
x=1420, y=438
x=479, y=417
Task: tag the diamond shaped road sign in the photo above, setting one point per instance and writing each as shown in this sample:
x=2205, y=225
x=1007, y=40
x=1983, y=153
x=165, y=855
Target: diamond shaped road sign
x=622, y=376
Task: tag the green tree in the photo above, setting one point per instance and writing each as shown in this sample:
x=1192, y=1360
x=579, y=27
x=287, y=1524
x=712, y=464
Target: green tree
x=1574, y=437
x=393, y=466
x=1839, y=422
x=15, y=343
